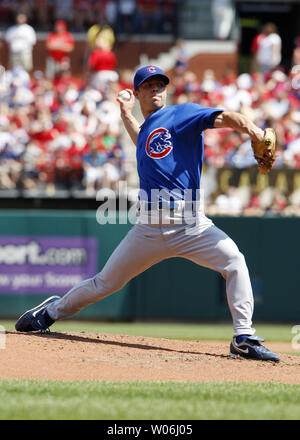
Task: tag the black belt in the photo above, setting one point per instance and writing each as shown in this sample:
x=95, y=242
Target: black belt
x=169, y=205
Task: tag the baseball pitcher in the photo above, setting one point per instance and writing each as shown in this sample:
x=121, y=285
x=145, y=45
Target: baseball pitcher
x=171, y=221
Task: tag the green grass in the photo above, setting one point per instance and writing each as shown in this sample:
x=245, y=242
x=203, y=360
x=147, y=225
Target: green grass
x=209, y=331
x=94, y=400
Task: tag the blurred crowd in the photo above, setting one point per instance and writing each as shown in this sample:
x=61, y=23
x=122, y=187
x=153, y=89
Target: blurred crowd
x=247, y=201
x=61, y=132
x=270, y=97
x=271, y=100
x=64, y=133
x=124, y=16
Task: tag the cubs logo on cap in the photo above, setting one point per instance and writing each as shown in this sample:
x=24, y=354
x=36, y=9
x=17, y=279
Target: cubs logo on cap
x=146, y=72
x=159, y=143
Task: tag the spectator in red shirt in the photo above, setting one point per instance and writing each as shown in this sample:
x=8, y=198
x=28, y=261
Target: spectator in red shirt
x=60, y=44
x=102, y=63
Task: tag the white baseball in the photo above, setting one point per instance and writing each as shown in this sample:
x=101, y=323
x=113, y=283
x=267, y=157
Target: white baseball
x=124, y=94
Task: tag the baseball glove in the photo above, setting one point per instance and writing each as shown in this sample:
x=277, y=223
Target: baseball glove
x=264, y=151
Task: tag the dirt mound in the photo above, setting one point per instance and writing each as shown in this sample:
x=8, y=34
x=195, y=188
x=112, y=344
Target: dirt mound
x=87, y=356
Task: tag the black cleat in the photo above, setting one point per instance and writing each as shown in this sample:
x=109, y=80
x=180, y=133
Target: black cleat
x=36, y=319
x=251, y=348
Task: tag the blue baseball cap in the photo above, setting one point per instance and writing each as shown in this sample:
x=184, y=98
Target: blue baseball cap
x=146, y=72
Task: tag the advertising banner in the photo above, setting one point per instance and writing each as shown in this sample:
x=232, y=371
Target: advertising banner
x=46, y=265
x=283, y=179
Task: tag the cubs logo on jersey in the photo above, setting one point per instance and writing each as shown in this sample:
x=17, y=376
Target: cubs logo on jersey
x=159, y=143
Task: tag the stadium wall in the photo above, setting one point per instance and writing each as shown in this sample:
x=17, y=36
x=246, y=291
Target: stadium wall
x=47, y=252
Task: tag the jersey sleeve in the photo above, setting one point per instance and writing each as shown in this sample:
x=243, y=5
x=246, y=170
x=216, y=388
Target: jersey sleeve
x=194, y=118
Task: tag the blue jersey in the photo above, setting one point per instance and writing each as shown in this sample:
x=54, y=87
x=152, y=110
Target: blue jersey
x=170, y=148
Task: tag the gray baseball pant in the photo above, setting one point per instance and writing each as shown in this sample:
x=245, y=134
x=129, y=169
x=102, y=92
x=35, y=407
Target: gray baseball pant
x=146, y=245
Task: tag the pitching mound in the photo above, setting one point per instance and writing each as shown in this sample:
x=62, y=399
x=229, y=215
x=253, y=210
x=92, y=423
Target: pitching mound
x=87, y=356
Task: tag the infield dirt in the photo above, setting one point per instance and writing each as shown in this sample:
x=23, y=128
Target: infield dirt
x=91, y=356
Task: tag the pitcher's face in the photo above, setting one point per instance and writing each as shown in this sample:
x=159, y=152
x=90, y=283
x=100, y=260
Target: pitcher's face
x=152, y=94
